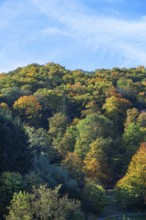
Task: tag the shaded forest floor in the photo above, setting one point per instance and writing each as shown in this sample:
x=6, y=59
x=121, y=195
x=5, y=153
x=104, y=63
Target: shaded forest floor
x=113, y=210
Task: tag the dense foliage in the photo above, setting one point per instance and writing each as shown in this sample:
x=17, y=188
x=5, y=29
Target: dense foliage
x=43, y=204
x=131, y=189
x=76, y=129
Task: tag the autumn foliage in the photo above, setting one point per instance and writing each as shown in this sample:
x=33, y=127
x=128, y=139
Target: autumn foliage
x=131, y=189
x=78, y=129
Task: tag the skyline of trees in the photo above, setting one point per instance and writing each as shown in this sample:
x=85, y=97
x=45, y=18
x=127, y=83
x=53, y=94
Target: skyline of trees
x=81, y=130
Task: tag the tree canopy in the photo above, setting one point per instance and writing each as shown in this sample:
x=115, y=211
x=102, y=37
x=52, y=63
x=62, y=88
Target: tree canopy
x=78, y=129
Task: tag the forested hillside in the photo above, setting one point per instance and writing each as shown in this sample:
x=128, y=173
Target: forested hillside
x=67, y=136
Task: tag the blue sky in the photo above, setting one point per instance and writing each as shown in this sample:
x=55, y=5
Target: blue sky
x=78, y=34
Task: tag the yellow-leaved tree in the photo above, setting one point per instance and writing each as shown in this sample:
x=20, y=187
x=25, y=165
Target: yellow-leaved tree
x=131, y=189
x=28, y=108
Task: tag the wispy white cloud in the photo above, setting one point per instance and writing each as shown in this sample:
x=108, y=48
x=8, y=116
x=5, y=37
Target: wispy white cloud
x=54, y=31
x=71, y=32
x=99, y=32
x=18, y=29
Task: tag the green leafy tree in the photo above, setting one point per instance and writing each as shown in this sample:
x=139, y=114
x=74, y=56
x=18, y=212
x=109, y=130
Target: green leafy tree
x=40, y=143
x=14, y=150
x=90, y=108
x=52, y=101
x=128, y=88
x=52, y=175
x=20, y=207
x=9, y=183
x=44, y=204
x=133, y=136
x=50, y=206
x=10, y=94
x=94, y=199
x=57, y=126
x=89, y=129
x=67, y=141
x=56, y=73
x=116, y=108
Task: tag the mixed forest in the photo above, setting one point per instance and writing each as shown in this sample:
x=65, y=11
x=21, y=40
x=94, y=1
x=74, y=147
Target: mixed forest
x=68, y=136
